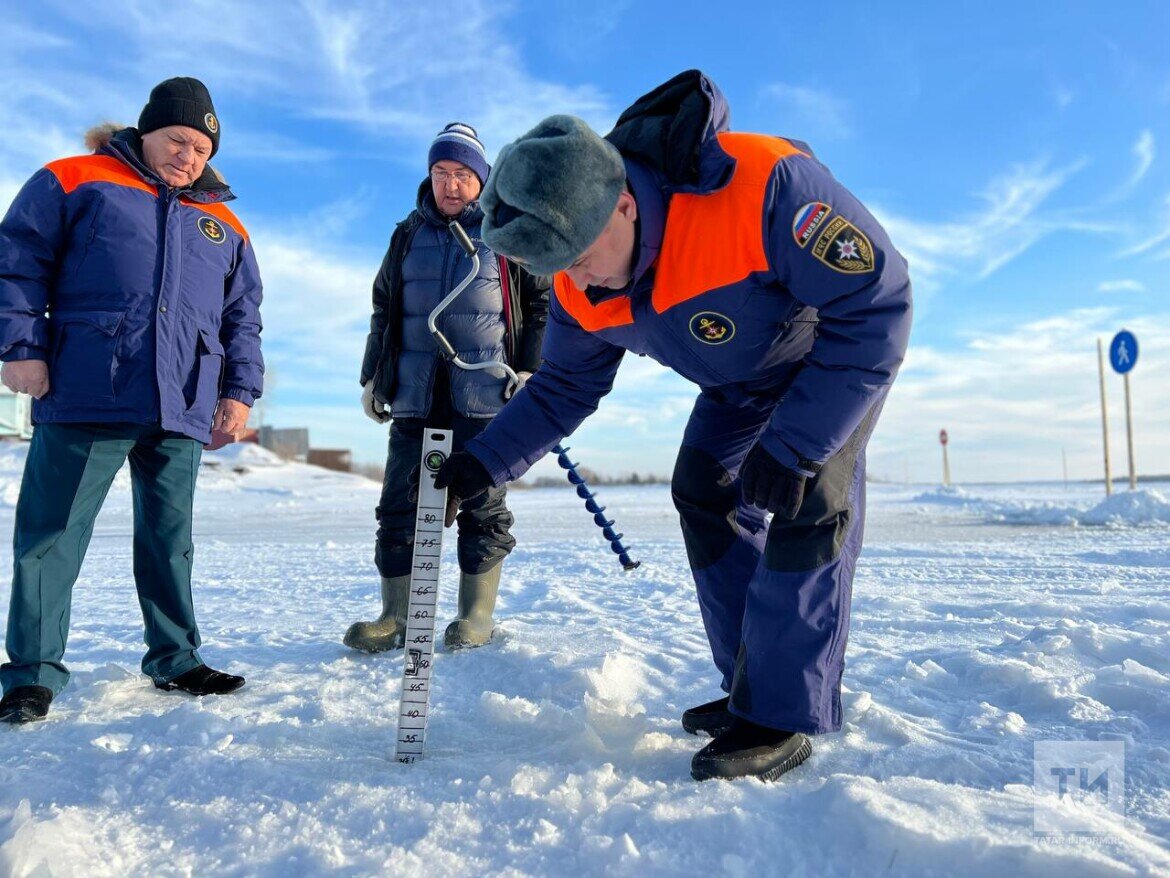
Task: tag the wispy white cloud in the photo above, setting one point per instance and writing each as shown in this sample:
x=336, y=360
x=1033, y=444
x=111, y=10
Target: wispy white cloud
x=1143, y=151
x=389, y=70
x=1152, y=240
x=1121, y=286
x=1014, y=217
x=804, y=108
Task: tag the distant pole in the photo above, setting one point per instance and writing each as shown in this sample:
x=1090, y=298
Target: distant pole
x=1104, y=417
x=1129, y=436
x=942, y=440
x=1123, y=354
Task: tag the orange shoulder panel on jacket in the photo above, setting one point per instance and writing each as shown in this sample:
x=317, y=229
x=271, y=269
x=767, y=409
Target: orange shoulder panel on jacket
x=606, y=315
x=73, y=172
x=221, y=213
x=714, y=240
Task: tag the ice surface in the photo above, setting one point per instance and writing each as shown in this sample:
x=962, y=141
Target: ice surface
x=556, y=750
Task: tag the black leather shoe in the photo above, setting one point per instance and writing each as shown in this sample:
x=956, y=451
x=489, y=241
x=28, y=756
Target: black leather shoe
x=203, y=681
x=710, y=718
x=749, y=750
x=25, y=704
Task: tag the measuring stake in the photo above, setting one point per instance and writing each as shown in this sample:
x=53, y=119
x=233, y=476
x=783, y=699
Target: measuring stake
x=418, y=656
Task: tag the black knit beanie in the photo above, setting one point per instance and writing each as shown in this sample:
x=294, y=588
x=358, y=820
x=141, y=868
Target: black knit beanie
x=181, y=101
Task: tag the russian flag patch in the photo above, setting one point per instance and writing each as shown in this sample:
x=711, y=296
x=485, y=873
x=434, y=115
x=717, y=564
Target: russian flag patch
x=807, y=220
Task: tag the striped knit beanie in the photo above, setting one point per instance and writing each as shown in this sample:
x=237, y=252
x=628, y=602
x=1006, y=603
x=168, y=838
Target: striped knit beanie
x=458, y=142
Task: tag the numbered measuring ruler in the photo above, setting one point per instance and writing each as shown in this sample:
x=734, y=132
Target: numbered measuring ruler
x=419, y=653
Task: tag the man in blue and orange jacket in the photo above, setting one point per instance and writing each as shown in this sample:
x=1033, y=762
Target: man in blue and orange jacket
x=740, y=262
x=129, y=308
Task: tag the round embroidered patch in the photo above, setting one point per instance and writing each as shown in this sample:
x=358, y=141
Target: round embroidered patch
x=211, y=122
x=211, y=230
x=712, y=328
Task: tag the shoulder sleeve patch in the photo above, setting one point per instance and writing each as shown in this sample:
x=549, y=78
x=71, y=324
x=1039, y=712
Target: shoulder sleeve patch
x=842, y=246
x=808, y=221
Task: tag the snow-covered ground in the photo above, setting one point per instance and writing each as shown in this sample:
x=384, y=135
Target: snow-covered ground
x=986, y=618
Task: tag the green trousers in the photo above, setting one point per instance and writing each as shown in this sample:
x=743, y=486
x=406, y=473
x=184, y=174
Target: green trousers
x=66, y=478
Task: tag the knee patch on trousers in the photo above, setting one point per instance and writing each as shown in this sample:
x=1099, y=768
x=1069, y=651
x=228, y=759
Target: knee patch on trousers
x=705, y=496
x=815, y=537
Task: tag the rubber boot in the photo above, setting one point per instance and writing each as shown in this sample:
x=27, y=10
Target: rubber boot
x=477, y=599
x=388, y=631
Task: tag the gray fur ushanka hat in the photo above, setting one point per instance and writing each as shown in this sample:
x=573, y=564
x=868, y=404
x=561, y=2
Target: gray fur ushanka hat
x=551, y=193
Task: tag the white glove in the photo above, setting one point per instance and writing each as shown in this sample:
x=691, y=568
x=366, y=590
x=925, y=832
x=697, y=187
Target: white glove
x=373, y=408
x=521, y=380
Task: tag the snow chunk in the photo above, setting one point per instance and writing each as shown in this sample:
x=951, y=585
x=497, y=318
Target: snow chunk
x=1129, y=508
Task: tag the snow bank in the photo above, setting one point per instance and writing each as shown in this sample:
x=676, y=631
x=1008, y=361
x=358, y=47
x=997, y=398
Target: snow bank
x=1146, y=507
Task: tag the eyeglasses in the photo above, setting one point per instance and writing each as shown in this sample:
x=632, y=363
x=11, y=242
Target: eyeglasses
x=461, y=177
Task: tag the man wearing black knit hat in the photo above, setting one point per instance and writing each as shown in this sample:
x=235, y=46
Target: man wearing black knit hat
x=499, y=316
x=129, y=308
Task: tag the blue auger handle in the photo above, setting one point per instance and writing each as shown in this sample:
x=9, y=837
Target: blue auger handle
x=606, y=525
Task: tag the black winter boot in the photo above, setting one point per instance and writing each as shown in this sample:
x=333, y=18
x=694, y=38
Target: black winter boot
x=710, y=718
x=748, y=750
x=25, y=704
x=202, y=680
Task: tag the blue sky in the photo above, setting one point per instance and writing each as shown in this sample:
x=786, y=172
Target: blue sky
x=1015, y=151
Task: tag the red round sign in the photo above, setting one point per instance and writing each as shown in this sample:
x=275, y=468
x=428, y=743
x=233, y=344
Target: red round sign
x=942, y=437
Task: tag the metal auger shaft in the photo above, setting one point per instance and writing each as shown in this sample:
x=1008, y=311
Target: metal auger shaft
x=598, y=512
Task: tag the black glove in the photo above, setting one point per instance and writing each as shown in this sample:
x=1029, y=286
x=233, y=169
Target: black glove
x=769, y=484
x=464, y=477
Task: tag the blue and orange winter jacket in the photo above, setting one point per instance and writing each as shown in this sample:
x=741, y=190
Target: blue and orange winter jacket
x=143, y=300
x=757, y=276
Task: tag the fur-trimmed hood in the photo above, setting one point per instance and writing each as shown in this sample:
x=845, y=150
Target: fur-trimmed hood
x=112, y=137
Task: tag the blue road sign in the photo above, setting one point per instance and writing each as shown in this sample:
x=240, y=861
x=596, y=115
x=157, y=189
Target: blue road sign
x=1123, y=351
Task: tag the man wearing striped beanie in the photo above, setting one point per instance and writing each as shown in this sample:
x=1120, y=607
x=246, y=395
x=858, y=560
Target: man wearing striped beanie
x=499, y=316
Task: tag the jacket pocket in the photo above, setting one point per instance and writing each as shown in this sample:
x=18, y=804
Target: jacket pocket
x=208, y=373
x=91, y=233
x=84, y=361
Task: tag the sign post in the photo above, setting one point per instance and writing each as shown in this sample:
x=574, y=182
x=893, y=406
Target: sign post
x=1104, y=418
x=942, y=440
x=1123, y=353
